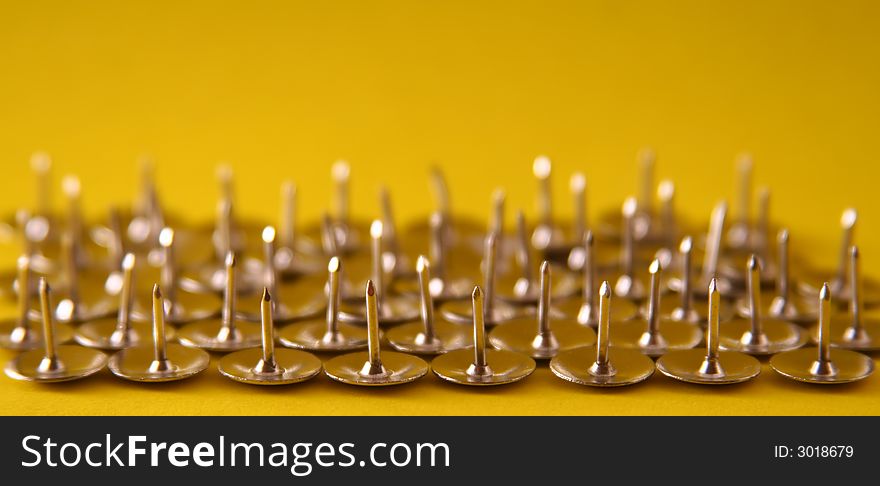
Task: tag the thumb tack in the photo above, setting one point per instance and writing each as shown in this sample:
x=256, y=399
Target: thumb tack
x=268, y=366
x=756, y=335
x=655, y=335
x=480, y=366
x=227, y=333
x=822, y=364
x=586, y=366
x=326, y=334
x=710, y=367
x=429, y=336
x=119, y=332
x=548, y=336
x=373, y=368
x=18, y=334
x=784, y=305
x=162, y=361
x=862, y=333
x=54, y=363
x=627, y=285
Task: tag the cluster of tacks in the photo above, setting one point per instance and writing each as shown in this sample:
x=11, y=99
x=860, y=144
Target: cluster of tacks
x=227, y=284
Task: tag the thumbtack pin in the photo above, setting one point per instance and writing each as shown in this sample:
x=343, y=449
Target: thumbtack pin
x=227, y=333
x=18, y=334
x=655, y=335
x=372, y=368
x=627, y=285
x=327, y=333
x=546, y=339
x=586, y=366
x=267, y=365
x=861, y=333
x=54, y=363
x=158, y=361
x=822, y=364
x=710, y=366
x=115, y=333
x=481, y=366
x=429, y=336
x=758, y=335
x=786, y=305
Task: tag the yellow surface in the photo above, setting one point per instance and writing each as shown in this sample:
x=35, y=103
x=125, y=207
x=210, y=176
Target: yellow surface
x=281, y=89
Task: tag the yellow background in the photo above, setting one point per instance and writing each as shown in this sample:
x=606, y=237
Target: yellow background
x=282, y=89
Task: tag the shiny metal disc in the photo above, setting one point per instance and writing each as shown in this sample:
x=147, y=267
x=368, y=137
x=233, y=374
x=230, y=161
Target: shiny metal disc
x=205, y=335
x=13, y=338
x=410, y=338
x=310, y=335
x=188, y=307
x=674, y=335
x=97, y=334
x=780, y=336
x=292, y=367
x=630, y=367
x=507, y=367
x=623, y=310
x=684, y=365
x=519, y=335
x=394, y=309
x=463, y=312
x=134, y=363
x=843, y=336
x=401, y=368
x=796, y=364
x=78, y=362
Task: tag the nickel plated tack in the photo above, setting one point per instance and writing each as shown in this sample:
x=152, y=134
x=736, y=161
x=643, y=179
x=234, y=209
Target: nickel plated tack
x=627, y=285
x=710, y=367
x=686, y=311
x=709, y=270
x=496, y=311
x=822, y=364
x=326, y=334
x=267, y=365
x=372, y=368
x=160, y=361
x=296, y=255
x=787, y=305
x=120, y=332
x=547, y=234
x=82, y=303
x=227, y=333
x=604, y=366
x=585, y=310
x=298, y=299
x=18, y=334
x=655, y=335
x=544, y=337
x=862, y=333
x=757, y=335
x=181, y=306
x=480, y=366
x=54, y=363
x=429, y=336
x=739, y=236
x=393, y=309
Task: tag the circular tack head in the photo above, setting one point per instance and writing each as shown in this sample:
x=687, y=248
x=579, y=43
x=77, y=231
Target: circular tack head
x=77, y=362
x=778, y=336
x=135, y=363
x=462, y=312
x=630, y=367
x=843, y=335
x=410, y=338
x=312, y=335
x=188, y=307
x=797, y=364
x=394, y=309
x=292, y=366
x=520, y=335
x=672, y=336
x=399, y=368
x=507, y=367
x=685, y=365
x=623, y=310
x=13, y=337
x=211, y=336
x=99, y=334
